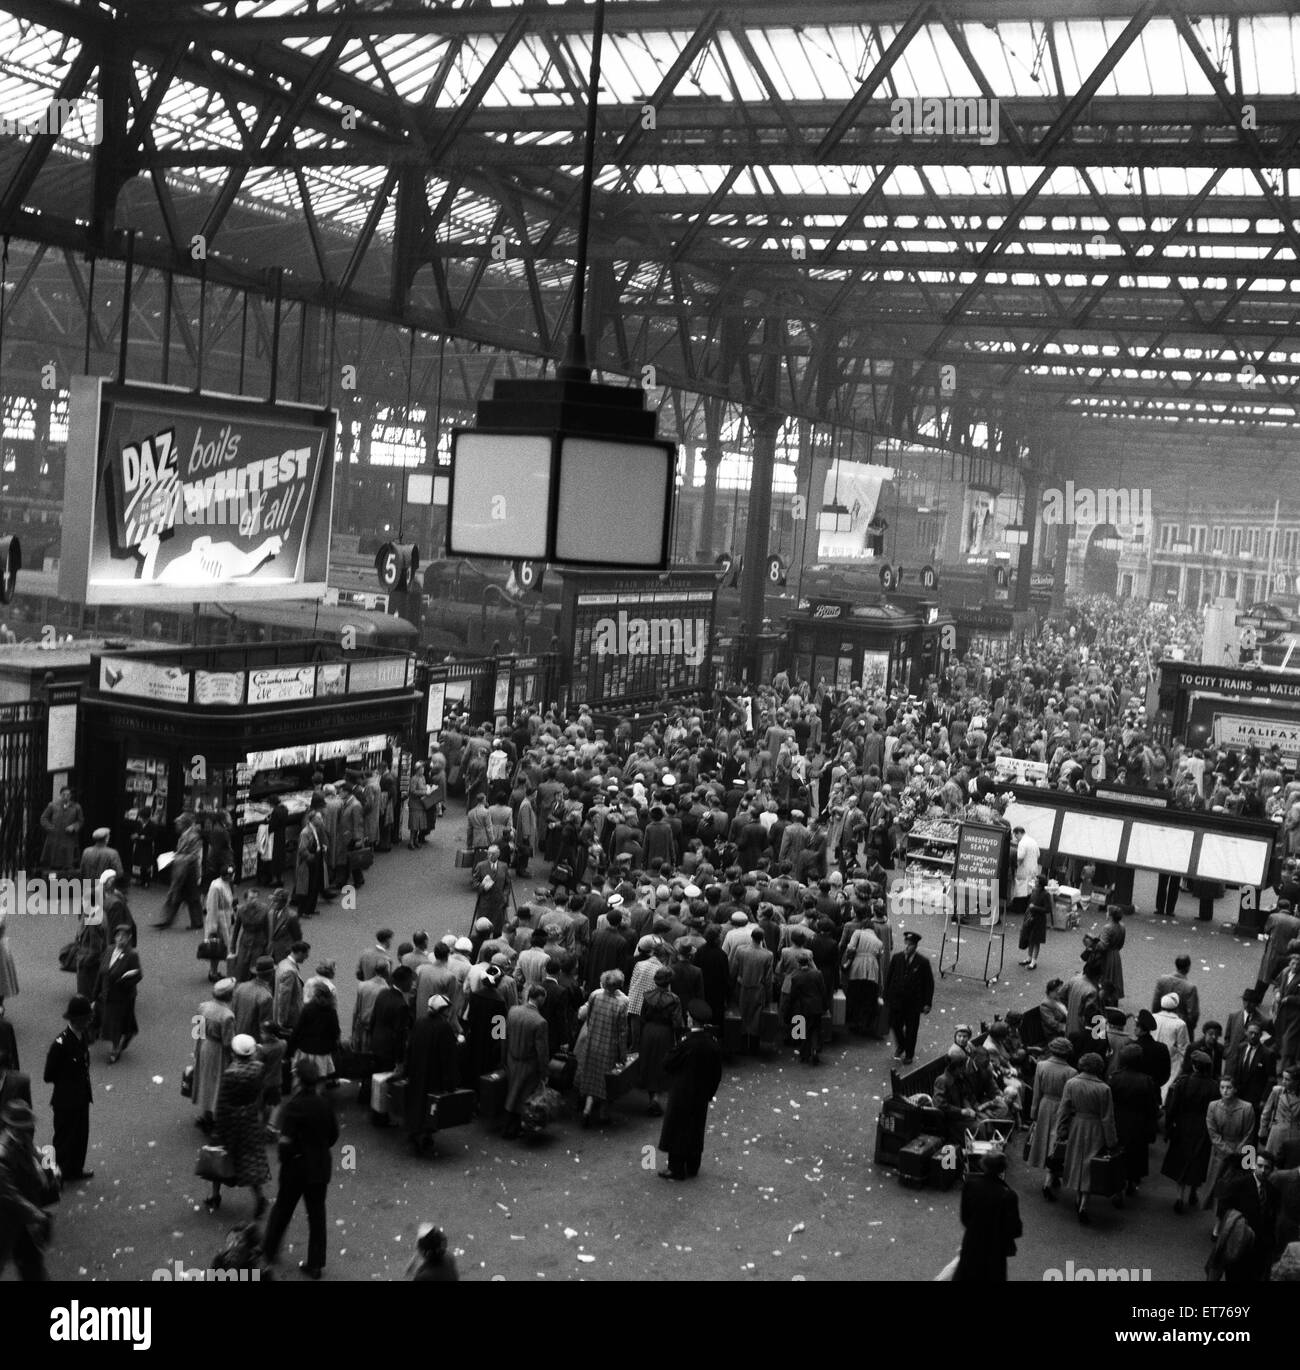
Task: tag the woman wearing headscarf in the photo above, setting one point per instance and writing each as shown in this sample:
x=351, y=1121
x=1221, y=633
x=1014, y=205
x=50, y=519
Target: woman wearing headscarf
x=317, y=1031
x=863, y=958
x=1050, y=1077
x=662, y=1024
x=1137, y=1114
x=215, y=1031
x=1187, y=1159
x=1110, y=942
x=1279, y=1123
x=1033, y=931
x=1230, y=1122
x=239, y=1127
x=602, y=1043
x=1085, y=1123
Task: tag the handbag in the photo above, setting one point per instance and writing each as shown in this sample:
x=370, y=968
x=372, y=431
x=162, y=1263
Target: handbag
x=187, y=1083
x=212, y=949
x=215, y=1163
x=68, y=957
x=362, y=858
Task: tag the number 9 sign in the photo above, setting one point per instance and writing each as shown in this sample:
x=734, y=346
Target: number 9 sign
x=888, y=577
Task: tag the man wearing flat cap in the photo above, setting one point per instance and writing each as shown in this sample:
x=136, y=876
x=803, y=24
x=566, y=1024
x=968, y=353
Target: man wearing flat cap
x=695, y=1068
x=100, y=857
x=910, y=993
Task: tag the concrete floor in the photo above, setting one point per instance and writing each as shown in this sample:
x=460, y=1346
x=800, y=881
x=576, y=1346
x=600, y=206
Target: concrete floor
x=788, y=1190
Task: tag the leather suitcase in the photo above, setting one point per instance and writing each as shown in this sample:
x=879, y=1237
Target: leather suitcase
x=945, y=1167
x=380, y=1088
x=914, y=1159
x=731, y=1033
x=452, y=1109
x=1105, y=1175
x=882, y=1020
x=492, y=1096
x=623, y=1078
x=839, y=1009
x=397, y=1100
x=561, y=1071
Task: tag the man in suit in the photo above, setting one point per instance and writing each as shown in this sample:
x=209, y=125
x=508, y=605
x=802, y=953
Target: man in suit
x=695, y=1066
x=289, y=985
x=1249, y=1012
x=1286, y=1008
x=528, y=1053
x=910, y=994
x=990, y=1219
x=1253, y=1068
x=1255, y=1197
x=380, y=955
x=437, y=977
x=492, y=881
x=308, y=1128
x=13, y=1083
x=67, y=1068
x=1281, y=928
x=1189, y=1000
x=609, y=948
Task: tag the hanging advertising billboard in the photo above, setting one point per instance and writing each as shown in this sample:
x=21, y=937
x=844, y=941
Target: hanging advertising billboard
x=176, y=498
x=850, y=496
x=986, y=515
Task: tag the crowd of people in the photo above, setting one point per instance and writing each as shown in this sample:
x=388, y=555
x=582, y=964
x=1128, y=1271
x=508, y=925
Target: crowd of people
x=643, y=903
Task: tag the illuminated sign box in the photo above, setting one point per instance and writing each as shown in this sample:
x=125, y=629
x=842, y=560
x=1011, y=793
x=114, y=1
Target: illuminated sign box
x=175, y=498
x=566, y=498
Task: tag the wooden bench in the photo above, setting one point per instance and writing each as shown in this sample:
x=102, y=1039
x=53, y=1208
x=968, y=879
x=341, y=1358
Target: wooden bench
x=919, y=1080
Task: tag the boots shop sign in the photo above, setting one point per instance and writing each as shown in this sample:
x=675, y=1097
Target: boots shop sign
x=176, y=498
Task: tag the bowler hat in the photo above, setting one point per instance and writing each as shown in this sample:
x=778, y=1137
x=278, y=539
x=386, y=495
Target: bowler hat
x=78, y=1007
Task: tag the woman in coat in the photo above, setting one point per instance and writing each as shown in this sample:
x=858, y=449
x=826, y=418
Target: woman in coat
x=1187, y=1160
x=215, y=1031
x=252, y=922
x=62, y=821
x=1085, y=1122
x=317, y=1031
x=119, y=981
x=1109, y=944
x=602, y=1043
x=417, y=820
x=662, y=1024
x=92, y=941
x=1137, y=1114
x=1033, y=931
x=1230, y=1122
x=484, y=1017
x=1050, y=1077
x=435, y=795
x=1279, y=1123
x=117, y=912
x=239, y=1127
x=218, y=918
x=862, y=963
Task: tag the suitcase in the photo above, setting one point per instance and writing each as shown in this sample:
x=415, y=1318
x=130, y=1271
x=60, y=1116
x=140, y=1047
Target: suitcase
x=397, y=1100
x=945, y=1167
x=623, y=1078
x=455, y=1108
x=380, y=1088
x=769, y=1028
x=731, y=1034
x=561, y=1071
x=1105, y=1175
x=882, y=1020
x=492, y=1096
x=839, y=1009
x=914, y=1159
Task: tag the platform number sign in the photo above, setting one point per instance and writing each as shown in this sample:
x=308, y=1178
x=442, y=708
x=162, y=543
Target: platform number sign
x=776, y=571
x=397, y=563
x=929, y=578
x=948, y=637
x=528, y=575
x=11, y=562
x=888, y=578
x=729, y=568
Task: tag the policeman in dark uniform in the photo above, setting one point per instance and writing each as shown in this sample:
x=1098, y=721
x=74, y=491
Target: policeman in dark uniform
x=67, y=1068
